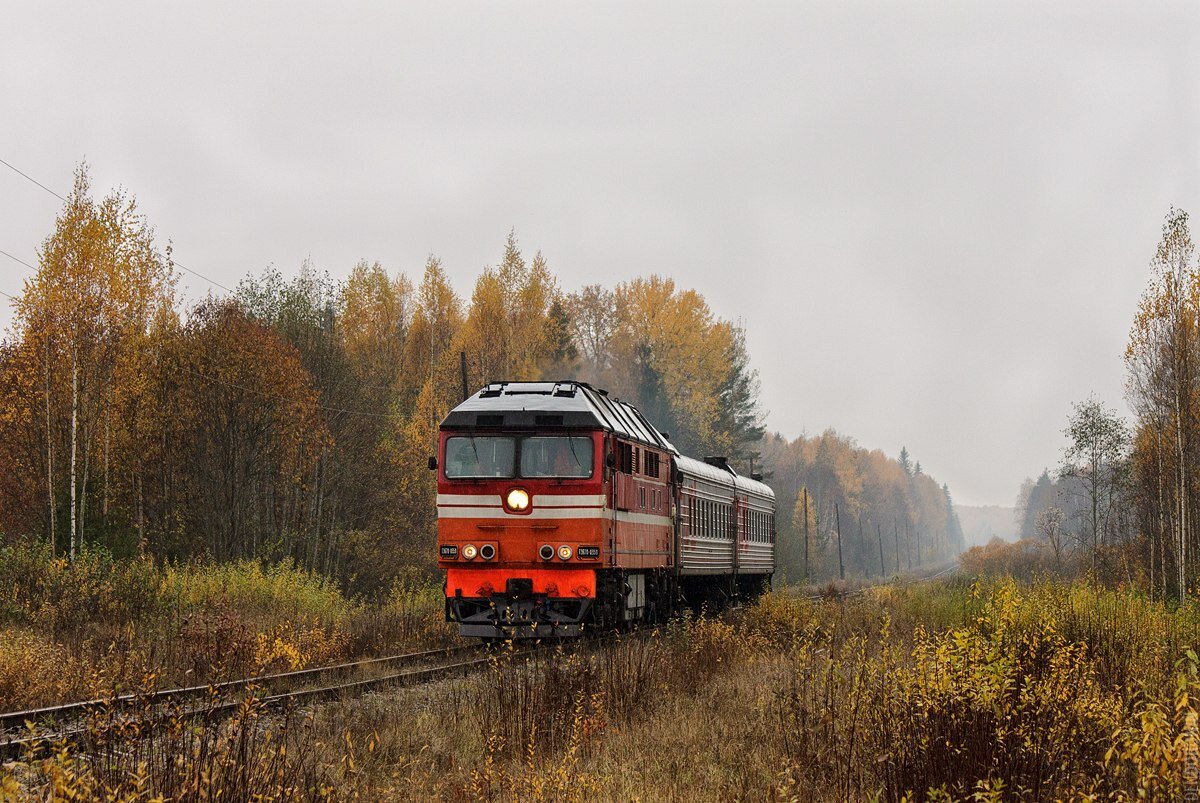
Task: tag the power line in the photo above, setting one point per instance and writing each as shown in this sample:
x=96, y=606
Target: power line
x=15, y=259
x=282, y=398
x=205, y=278
x=34, y=180
x=61, y=198
x=201, y=275
x=199, y=375
x=18, y=259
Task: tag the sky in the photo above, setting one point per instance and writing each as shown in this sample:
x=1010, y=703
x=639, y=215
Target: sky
x=934, y=220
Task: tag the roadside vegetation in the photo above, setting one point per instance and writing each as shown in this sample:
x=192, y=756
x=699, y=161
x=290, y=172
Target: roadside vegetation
x=72, y=630
x=961, y=689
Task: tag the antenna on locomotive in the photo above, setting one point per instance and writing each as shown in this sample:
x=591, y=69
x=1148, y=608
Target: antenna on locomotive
x=462, y=366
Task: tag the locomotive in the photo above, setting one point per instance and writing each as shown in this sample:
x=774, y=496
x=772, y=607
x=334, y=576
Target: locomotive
x=561, y=507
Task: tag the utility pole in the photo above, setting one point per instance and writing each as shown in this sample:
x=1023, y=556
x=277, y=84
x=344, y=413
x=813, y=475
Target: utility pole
x=838, y=518
x=896, y=526
x=462, y=366
x=807, y=576
x=879, y=537
x=862, y=548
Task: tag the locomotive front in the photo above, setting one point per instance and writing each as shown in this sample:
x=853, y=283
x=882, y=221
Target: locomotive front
x=520, y=507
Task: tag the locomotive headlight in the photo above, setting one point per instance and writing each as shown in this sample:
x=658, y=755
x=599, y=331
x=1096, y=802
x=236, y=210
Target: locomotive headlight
x=546, y=552
x=517, y=499
x=564, y=552
x=469, y=552
x=487, y=551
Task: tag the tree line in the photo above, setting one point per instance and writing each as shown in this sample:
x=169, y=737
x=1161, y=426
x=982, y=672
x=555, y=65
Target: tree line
x=847, y=511
x=292, y=419
x=1123, y=501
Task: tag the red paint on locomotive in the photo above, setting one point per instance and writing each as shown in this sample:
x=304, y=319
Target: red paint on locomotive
x=558, y=506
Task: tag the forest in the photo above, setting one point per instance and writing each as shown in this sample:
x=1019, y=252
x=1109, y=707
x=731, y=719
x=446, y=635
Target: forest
x=1121, y=503
x=291, y=419
x=238, y=487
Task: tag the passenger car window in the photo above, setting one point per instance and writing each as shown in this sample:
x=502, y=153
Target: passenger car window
x=470, y=457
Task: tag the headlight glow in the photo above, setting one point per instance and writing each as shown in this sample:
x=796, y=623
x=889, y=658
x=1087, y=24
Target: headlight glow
x=564, y=552
x=517, y=499
x=469, y=552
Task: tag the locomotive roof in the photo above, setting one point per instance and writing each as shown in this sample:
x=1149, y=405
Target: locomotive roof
x=542, y=405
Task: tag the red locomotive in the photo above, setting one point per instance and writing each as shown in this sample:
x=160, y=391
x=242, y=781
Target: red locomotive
x=560, y=506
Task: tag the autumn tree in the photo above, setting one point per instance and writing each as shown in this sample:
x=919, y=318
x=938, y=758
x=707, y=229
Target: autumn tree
x=1163, y=365
x=101, y=294
x=250, y=433
x=593, y=317
x=1095, y=458
x=1048, y=528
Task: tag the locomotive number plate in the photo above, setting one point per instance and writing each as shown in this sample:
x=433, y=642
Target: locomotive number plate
x=588, y=552
x=448, y=551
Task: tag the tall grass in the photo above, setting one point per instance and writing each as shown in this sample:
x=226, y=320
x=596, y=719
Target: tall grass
x=990, y=690
x=95, y=624
x=951, y=691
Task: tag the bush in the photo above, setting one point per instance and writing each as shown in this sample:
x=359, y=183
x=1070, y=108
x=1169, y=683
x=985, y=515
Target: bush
x=271, y=592
x=35, y=671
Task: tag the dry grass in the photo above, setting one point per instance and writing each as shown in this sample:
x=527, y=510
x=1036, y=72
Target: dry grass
x=949, y=691
x=944, y=692
x=70, y=630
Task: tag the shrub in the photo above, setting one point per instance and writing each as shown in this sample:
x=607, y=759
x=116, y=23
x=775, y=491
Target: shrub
x=36, y=671
x=276, y=592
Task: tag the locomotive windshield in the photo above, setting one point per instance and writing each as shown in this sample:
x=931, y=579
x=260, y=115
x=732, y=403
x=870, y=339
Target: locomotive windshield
x=474, y=457
x=556, y=456
x=542, y=456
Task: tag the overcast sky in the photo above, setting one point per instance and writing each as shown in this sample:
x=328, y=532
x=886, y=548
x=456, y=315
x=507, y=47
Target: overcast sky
x=933, y=219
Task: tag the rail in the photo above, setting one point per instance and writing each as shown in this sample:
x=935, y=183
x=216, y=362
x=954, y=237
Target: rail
x=220, y=698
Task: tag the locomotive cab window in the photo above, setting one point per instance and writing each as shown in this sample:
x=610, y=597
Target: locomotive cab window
x=556, y=456
x=479, y=457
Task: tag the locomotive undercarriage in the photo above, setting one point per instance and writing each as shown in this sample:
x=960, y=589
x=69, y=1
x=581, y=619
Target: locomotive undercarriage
x=517, y=616
x=622, y=598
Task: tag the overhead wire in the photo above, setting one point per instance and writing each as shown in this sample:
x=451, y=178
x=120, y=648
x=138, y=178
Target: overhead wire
x=28, y=177
x=326, y=408
x=31, y=178
x=268, y=394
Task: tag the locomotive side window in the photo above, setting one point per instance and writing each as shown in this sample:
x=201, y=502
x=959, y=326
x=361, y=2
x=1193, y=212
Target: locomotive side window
x=556, y=456
x=474, y=457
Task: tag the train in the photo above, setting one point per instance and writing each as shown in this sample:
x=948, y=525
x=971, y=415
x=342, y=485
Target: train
x=562, y=508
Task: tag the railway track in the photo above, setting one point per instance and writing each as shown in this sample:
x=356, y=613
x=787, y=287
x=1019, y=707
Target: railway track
x=67, y=722
x=858, y=592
